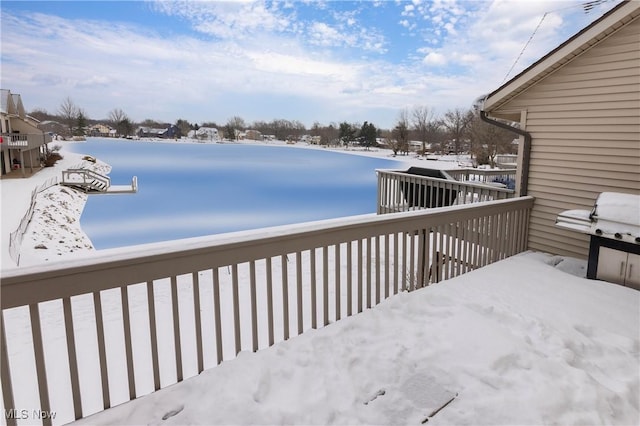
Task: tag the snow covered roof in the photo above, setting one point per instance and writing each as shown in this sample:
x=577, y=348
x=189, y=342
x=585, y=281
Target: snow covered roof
x=6, y=102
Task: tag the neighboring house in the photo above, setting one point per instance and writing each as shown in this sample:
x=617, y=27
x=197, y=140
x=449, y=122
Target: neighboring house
x=100, y=130
x=23, y=144
x=171, y=132
x=253, y=135
x=578, y=109
x=205, y=133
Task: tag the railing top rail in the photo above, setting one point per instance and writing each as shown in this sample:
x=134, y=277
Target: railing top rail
x=471, y=184
x=116, y=267
x=87, y=172
x=483, y=171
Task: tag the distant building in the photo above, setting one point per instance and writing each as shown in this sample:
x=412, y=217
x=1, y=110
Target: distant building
x=253, y=135
x=100, y=130
x=205, y=133
x=171, y=132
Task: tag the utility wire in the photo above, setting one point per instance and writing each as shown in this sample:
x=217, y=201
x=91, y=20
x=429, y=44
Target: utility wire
x=525, y=47
x=587, y=7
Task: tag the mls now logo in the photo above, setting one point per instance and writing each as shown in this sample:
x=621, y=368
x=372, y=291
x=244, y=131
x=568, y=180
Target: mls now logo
x=17, y=414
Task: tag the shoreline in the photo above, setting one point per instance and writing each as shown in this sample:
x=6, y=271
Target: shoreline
x=54, y=232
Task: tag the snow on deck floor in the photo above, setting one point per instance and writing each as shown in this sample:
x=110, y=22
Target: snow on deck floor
x=520, y=342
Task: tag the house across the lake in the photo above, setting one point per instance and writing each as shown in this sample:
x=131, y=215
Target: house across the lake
x=170, y=132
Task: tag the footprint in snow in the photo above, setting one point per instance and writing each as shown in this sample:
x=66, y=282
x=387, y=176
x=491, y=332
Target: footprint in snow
x=173, y=412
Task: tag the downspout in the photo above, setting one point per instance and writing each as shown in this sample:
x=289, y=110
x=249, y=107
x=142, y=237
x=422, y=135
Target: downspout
x=526, y=149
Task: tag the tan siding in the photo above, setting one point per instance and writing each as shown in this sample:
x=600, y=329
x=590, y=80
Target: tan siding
x=584, y=120
x=605, y=73
x=566, y=171
x=628, y=105
x=598, y=118
x=577, y=100
x=576, y=144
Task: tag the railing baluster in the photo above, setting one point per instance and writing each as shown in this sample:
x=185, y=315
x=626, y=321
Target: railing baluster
x=254, y=305
x=421, y=258
x=325, y=284
x=337, y=265
x=396, y=268
x=387, y=276
x=349, y=278
x=153, y=331
x=236, y=308
x=216, y=311
x=360, y=275
x=269, y=272
x=5, y=373
x=299, y=292
x=404, y=262
x=126, y=327
x=368, y=268
x=102, y=354
x=176, y=327
x=198, y=319
x=450, y=250
x=285, y=295
x=378, y=272
x=412, y=261
x=73, y=360
x=459, y=238
x=41, y=369
x=314, y=289
x=442, y=252
x=380, y=193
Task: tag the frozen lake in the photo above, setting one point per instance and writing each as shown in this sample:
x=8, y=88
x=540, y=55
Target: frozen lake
x=189, y=189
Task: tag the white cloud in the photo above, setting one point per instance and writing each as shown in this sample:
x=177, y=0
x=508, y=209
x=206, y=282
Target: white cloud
x=325, y=35
x=256, y=54
x=435, y=58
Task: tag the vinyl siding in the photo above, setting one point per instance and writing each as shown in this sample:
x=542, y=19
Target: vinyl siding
x=584, y=120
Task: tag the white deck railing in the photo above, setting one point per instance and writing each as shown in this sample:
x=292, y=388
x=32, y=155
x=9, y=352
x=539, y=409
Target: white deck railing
x=24, y=140
x=209, y=298
x=86, y=179
x=483, y=175
x=400, y=192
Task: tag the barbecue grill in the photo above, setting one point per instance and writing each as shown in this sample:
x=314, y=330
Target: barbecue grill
x=614, y=228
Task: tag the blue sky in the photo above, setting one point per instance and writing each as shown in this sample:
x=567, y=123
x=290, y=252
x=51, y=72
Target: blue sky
x=324, y=61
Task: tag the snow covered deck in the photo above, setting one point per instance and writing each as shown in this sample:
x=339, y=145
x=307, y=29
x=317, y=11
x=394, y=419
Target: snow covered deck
x=521, y=341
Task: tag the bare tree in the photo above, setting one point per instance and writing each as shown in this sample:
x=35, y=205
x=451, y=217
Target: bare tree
x=120, y=121
x=423, y=121
x=234, y=125
x=457, y=123
x=488, y=141
x=68, y=113
x=329, y=134
x=401, y=133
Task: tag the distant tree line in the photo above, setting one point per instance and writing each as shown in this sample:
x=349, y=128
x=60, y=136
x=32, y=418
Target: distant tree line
x=457, y=131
